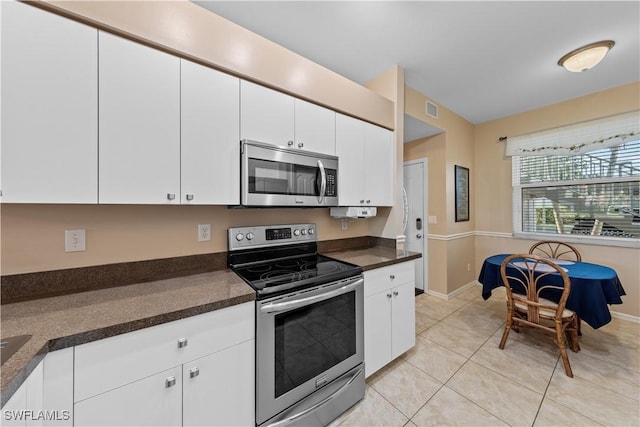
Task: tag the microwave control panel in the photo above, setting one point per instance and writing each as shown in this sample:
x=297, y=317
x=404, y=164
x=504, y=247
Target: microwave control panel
x=332, y=187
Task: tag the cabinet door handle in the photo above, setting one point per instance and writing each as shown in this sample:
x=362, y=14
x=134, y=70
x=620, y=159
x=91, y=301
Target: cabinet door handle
x=290, y=143
x=388, y=295
x=171, y=196
x=300, y=145
x=189, y=196
x=170, y=382
x=395, y=293
x=182, y=342
x=368, y=201
x=393, y=276
x=362, y=201
x=194, y=372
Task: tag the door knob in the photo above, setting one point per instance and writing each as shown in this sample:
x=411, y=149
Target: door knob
x=419, y=236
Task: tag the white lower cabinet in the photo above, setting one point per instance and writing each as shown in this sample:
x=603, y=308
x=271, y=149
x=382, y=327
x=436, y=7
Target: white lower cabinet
x=216, y=388
x=151, y=401
x=389, y=314
x=25, y=407
x=194, y=371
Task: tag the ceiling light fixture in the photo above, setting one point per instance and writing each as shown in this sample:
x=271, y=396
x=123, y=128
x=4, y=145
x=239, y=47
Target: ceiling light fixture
x=586, y=57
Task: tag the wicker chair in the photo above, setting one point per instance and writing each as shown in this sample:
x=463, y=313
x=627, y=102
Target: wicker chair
x=525, y=277
x=556, y=250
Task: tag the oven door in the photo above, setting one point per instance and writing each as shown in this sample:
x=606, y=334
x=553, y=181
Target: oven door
x=304, y=341
x=275, y=176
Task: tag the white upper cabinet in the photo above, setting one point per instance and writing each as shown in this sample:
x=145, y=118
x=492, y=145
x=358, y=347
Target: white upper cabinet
x=210, y=136
x=266, y=115
x=379, y=160
x=139, y=116
x=273, y=117
x=49, y=107
x=315, y=128
x=349, y=149
x=366, y=156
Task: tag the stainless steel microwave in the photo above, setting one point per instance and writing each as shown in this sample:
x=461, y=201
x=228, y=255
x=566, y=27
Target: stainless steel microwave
x=276, y=176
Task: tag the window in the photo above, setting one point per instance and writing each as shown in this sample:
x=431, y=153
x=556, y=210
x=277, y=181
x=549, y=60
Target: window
x=588, y=189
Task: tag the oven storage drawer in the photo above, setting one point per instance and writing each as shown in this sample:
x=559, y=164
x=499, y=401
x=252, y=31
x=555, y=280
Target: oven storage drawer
x=113, y=362
x=380, y=279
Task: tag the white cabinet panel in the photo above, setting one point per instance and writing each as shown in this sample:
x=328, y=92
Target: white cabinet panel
x=377, y=331
x=219, y=389
x=266, y=115
x=379, y=161
x=315, y=128
x=13, y=410
x=139, y=116
x=210, y=136
x=367, y=160
x=349, y=149
x=146, y=402
x=49, y=107
x=57, y=395
x=403, y=319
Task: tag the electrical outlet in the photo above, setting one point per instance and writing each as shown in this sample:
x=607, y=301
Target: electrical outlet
x=204, y=232
x=345, y=224
x=468, y=267
x=433, y=219
x=75, y=240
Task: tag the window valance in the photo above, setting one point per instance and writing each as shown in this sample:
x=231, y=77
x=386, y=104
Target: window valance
x=578, y=138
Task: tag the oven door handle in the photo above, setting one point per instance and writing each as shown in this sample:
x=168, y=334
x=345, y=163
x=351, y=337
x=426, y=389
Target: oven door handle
x=347, y=382
x=323, y=182
x=277, y=307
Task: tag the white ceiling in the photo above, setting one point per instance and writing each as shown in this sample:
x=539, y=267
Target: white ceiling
x=484, y=60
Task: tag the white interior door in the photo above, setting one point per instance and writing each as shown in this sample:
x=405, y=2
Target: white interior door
x=415, y=184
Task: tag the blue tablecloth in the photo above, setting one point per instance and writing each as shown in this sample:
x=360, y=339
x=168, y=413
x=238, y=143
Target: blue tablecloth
x=593, y=287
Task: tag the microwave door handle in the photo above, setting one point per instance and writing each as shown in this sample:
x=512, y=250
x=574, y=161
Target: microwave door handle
x=323, y=183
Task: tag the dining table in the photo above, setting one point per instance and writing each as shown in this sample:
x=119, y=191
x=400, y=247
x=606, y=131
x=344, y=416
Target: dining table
x=593, y=287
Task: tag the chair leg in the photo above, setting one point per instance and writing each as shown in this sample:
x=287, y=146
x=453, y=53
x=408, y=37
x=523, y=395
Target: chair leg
x=563, y=350
x=505, y=334
x=578, y=326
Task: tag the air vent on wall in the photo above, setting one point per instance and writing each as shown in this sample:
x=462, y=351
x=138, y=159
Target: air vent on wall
x=432, y=109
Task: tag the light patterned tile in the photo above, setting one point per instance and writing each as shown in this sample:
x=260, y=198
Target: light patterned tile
x=509, y=401
x=519, y=362
x=373, y=410
x=593, y=401
x=434, y=359
x=618, y=348
x=437, y=308
x=371, y=380
x=472, y=293
x=483, y=326
x=554, y=414
x=462, y=342
x=606, y=375
x=407, y=388
x=448, y=408
x=424, y=322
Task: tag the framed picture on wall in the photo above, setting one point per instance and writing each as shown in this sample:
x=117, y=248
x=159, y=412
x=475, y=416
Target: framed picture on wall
x=462, y=193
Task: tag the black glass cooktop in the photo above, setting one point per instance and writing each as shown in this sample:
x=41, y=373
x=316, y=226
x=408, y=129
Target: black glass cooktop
x=271, y=277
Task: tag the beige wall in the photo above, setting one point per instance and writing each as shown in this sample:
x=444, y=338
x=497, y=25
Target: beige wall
x=493, y=192
x=33, y=235
x=456, y=240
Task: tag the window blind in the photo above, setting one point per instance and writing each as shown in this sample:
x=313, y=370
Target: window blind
x=578, y=138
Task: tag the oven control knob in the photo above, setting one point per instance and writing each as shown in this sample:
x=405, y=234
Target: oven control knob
x=303, y=231
x=296, y=232
x=249, y=236
x=312, y=231
x=239, y=237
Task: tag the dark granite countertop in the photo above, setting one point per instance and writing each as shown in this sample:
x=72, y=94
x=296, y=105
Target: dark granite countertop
x=373, y=257
x=64, y=321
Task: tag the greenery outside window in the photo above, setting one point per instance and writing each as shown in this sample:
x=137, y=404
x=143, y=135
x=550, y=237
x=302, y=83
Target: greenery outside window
x=588, y=194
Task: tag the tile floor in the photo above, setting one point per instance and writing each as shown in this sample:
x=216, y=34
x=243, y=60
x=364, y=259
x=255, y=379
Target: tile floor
x=457, y=376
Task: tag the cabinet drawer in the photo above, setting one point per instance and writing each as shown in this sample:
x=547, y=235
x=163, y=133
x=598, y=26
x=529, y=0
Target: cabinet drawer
x=379, y=279
x=112, y=362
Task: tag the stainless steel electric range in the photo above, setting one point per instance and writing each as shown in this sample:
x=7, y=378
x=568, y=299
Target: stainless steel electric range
x=309, y=324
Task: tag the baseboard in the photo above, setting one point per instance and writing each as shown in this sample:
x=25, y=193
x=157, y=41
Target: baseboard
x=452, y=295
x=623, y=316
